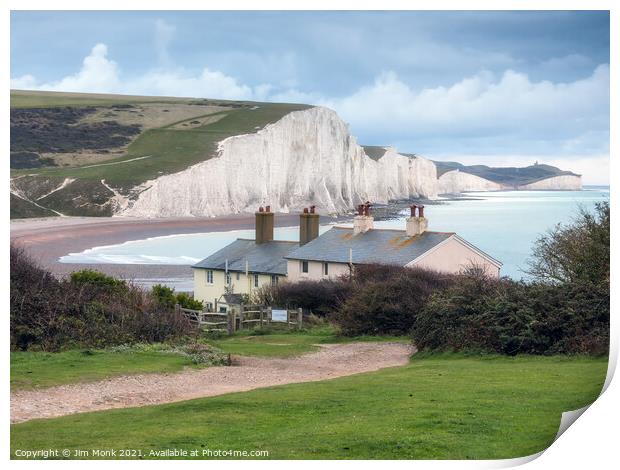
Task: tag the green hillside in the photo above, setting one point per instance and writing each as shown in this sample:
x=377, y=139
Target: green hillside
x=123, y=140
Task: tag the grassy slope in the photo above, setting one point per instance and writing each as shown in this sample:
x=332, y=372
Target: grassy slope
x=169, y=150
x=23, y=209
x=40, y=369
x=437, y=407
x=42, y=99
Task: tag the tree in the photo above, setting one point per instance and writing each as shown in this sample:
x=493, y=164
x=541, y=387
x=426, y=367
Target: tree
x=578, y=252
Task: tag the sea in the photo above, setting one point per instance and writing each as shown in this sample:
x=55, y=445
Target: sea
x=505, y=224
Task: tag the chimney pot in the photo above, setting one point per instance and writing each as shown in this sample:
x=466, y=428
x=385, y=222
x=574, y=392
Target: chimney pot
x=412, y=210
x=267, y=208
x=420, y=210
x=260, y=209
x=308, y=226
x=312, y=209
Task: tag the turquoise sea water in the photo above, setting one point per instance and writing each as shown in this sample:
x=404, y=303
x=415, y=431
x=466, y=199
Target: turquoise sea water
x=504, y=224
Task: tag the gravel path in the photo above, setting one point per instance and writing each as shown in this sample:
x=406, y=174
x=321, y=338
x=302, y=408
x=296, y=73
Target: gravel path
x=334, y=360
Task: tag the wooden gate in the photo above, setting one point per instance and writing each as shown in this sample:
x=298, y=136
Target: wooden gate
x=243, y=317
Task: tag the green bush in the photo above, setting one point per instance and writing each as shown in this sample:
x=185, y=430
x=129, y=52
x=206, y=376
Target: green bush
x=386, y=300
x=509, y=317
x=165, y=296
x=98, y=279
x=89, y=309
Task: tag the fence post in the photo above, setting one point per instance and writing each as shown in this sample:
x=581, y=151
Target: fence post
x=241, y=317
x=300, y=316
x=261, y=316
x=231, y=321
x=177, y=309
x=269, y=315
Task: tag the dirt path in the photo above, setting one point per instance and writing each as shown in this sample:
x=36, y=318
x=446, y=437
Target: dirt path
x=335, y=360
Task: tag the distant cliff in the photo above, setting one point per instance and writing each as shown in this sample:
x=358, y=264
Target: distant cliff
x=562, y=182
x=307, y=157
x=455, y=181
x=455, y=177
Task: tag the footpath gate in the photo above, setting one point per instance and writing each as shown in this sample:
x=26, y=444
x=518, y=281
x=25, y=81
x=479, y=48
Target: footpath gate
x=244, y=317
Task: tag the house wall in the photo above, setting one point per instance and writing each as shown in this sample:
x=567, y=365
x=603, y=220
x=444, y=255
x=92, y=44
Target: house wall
x=315, y=270
x=454, y=257
x=209, y=292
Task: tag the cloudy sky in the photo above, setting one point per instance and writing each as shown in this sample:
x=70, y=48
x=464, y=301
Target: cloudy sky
x=497, y=88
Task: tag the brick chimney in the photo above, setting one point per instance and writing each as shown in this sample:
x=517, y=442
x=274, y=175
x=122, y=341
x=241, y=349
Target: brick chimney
x=308, y=225
x=416, y=224
x=363, y=221
x=264, y=225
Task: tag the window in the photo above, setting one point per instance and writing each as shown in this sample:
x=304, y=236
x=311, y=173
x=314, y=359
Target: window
x=326, y=269
x=222, y=309
x=274, y=280
x=304, y=266
x=209, y=277
x=209, y=306
x=237, y=276
x=228, y=279
x=255, y=280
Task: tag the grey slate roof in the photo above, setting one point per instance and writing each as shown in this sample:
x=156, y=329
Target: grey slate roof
x=379, y=246
x=233, y=299
x=265, y=258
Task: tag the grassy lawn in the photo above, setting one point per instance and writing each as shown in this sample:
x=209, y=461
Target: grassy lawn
x=40, y=369
x=286, y=344
x=437, y=407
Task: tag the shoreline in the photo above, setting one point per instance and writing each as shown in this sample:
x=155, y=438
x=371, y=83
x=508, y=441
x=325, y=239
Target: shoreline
x=48, y=239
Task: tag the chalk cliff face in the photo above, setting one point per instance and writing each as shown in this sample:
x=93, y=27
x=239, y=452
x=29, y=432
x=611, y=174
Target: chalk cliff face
x=455, y=181
x=307, y=157
x=562, y=182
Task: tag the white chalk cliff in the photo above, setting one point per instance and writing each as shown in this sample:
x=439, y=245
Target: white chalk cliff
x=455, y=181
x=559, y=183
x=307, y=157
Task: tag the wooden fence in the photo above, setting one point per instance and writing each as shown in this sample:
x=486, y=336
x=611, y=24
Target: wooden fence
x=244, y=317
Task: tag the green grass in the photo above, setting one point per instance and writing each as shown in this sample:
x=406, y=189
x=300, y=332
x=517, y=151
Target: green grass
x=44, y=99
x=40, y=369
x=437, y=407
x=173, y=150
x=287, y=344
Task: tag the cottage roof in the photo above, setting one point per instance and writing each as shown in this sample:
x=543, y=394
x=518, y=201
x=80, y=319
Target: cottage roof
x=264, y=258
x=380, y=246
x=232, y=299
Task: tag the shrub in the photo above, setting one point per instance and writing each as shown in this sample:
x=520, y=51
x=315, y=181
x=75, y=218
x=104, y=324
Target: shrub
x=90, y=310
x=509, y=317
x=165, y=296
x=386, y=300
x=185, y=301
x=317, y=297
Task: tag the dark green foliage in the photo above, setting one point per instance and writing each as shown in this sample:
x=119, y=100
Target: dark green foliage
x=21, y=160
x=386, y=300
x=89, y=310
x=511, y=318
x=185, y=301
x=318, y=297
x=165, y=296
x=565, y=310
x=97, y=279
x=59, y=130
